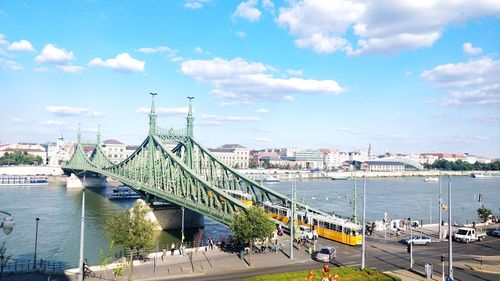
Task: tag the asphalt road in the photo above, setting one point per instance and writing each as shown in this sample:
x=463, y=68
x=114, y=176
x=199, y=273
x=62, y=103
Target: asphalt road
x=387, y=255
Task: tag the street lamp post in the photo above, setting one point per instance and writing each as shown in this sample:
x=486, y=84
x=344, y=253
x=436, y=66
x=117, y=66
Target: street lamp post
x=36, y=242
x=291, y=220
x=8, y=223
x=182, y=226
x=450, y=236
x=82, y=233
x=411, y=245
x=363, y=252
x=440, y=210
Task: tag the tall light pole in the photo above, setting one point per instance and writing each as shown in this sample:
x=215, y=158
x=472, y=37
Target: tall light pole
x=363, y=249
x=36, y=242
x=182, y=225
x=450, y=236
x=411, y=245
x=440, y=210
x=80, y=275
x=291, y=218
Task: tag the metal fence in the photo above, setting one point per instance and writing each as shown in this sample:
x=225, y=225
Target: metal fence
x=41, y=265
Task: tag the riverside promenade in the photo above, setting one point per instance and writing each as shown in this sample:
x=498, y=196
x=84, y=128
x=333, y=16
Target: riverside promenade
x=474, y=261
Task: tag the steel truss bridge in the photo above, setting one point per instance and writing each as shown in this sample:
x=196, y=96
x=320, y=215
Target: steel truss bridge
x=187, y=175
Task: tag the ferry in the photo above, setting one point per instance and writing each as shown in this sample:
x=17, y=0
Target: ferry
x=486, y=175
x=272, y=179
x=242, y=196
x=123, y=192
x=431, y=179
x=329, y=227
x=23, y=180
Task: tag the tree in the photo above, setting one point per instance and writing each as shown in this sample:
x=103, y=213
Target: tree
x=4, y=258
x=252, y=225
x=484, y=213
x=132, y=230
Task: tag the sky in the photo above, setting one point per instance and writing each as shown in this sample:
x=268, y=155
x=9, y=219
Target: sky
x=406, y=76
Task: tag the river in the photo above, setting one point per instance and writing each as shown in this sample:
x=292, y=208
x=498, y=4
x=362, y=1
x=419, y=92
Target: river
x=59, y=210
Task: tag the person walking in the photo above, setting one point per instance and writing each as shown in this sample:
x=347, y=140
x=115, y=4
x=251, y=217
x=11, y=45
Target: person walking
x=163, y=255
x=181, y=249
x=172, y=248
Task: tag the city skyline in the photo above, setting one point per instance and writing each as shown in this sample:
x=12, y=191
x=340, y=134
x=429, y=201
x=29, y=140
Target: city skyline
x=406, y=77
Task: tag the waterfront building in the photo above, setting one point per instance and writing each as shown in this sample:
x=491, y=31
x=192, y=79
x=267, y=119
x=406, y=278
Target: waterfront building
x=60, y=152
x=114, y=150
x=471, y=159
x=234, y=155
x=430, y=158
x=383, y=166
x=30, y=148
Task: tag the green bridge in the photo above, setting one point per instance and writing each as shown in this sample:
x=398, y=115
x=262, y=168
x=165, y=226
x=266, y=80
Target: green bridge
x=187, y=175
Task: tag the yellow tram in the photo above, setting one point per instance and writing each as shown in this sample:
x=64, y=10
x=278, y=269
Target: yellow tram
x=330, y=227
x=242, y=196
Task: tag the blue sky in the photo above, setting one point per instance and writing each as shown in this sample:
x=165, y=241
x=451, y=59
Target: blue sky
x=405, y=76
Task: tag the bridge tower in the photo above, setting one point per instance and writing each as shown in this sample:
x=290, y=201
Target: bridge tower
x=189, y=132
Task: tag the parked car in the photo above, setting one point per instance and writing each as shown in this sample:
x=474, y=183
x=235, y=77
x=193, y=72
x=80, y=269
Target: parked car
x=495, y=232
x=326, y=254
x=418, y=240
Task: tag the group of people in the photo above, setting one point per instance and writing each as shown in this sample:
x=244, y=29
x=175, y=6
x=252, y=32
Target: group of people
x=182, y=250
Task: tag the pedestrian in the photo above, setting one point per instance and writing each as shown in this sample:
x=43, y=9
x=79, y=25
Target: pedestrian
x=172, y=248
x=164, y=254
x=276, y=246
x=474, y=224
x=181, y=249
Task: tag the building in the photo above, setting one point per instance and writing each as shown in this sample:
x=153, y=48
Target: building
x=430, y=158
x=60, y=152
x=114, y=150
x=234, y=155
x=383, y=166
x=30, y=148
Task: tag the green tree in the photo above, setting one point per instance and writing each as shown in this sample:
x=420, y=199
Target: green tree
x=20, y=158
x=132, y=230
x=252, y=225
x=5, y=258
x=484, y=213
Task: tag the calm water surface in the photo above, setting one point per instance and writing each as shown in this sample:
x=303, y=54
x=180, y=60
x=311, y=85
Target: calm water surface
x=59, y=210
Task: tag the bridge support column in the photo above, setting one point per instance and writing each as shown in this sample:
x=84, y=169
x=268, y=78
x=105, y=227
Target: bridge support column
x=170, y=217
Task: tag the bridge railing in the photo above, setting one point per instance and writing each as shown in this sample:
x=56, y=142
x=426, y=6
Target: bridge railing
x=41, y=265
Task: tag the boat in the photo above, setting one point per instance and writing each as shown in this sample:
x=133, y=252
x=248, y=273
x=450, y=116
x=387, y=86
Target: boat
x=272, y=179
x=338, y=178
x=23, y=180
x=123, y=192
x=486, y=175
x=431, y=179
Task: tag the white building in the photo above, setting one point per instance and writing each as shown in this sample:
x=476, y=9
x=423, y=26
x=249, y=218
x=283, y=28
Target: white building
x=383, y=166
x=114, y=150
x=234, y=155
x=60, y=152
x=30, y=148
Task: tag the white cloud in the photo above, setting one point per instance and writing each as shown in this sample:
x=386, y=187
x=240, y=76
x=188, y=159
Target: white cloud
x=268, y=5
x=16, y=120
x=54, y=123
x=22, y=45
x=52, y=54
x=250, y=81
x=122, y=62
x=3, y=39
x=472, y=83
x=71, y=68
x=294, y=72
x=263, y=110
x=176, y=59
x=195, y=4
x=248, y=11
x=384, y=26
x=165, y=111
x=73, y=111
x=215, y=118
x=152, y=50
x=263, y=139
x=241, y=34
x=470, y=50
x=198, y=50
x=11, y=66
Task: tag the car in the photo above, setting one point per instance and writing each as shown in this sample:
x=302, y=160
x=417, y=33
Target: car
x=307, y=232
x=326, y=254
x=418, y=240
x=496, y=232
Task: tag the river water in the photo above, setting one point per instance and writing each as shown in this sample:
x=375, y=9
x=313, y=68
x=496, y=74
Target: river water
x=59, y=211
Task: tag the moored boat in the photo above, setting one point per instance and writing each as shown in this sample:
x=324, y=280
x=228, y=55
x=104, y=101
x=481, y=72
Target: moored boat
x=486, y=175
x=272, y=179
x=23, y=180
x=123, y=192
x=431, y=179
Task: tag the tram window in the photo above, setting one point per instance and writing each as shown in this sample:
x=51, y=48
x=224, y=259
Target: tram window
x=320, y=224
x=315, y=222
x=339, y=228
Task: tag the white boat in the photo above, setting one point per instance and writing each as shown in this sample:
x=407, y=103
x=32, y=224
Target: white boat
x=338, y=178
x=272, y=179
x=431, y=179
x=23, y=180
x=123, y=192
x=486, y=175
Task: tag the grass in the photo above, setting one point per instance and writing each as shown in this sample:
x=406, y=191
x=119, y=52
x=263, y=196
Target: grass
x=344, y=273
